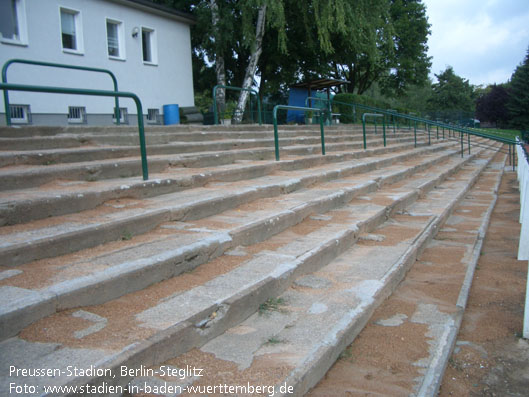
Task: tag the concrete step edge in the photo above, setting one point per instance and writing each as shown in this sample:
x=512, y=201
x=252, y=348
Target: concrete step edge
x=110, y=284
x=21, y=211
x=95, y=234
x=124, y=168
x=182, y=336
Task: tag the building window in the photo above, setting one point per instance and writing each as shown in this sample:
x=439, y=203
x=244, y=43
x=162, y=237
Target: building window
x=115, y=39
x=148, y=45
x=153, y=115
x=76, y=114
x=123, y=116
x=71, y=31
x=20, y=114
x=13, y=22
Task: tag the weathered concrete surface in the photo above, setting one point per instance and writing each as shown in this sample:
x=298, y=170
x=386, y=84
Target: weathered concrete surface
x=412, y=334
x=166, y=287
x=313, y=334
x=18, y=206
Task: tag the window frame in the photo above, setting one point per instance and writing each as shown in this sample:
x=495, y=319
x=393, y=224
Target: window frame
x=153, y=46
x=121, y=38
x=123, y=116
x=22, y=25
x=78, y=25
x=153, y=116
x=82, y=115
x=26, y=110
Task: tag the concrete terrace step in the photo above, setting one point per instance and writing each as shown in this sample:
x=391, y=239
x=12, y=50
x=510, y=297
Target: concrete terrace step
x=54, y=156
x=182, y=130
x=58, y=154
x=294, y=337
x=57, y=236
x=80, y=137
x=20, y=177
x=176, y=142
x=62, y=197
x=132, y=266
x=197, y=314
x=35, y=131
x=431, y=300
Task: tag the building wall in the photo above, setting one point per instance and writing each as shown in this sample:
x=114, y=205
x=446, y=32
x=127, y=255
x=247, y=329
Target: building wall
x=169, y=80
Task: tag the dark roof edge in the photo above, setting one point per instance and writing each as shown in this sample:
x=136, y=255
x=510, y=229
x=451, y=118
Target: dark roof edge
x=157, y=9
x=320, y=83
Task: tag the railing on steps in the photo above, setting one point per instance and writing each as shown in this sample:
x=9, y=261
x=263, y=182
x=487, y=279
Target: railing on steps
x=84, y=91
x=374, y=116
x=276, y=134
x=429, y=123
x=56, y=65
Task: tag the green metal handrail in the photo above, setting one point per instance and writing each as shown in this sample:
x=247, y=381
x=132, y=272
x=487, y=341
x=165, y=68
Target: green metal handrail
x=306, y=109
x=227, y=87
x=427, y=122
x=56, y=65
x=84, y=91
x=374, y=115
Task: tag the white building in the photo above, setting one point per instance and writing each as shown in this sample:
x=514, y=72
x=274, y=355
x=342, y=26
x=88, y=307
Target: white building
x=146, y=46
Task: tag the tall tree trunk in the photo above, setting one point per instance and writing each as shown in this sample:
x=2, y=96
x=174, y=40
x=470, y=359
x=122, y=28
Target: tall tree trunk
x=252, y=65
x=219, y=58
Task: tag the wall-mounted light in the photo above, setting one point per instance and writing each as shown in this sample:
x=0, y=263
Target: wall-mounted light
x=135, y=31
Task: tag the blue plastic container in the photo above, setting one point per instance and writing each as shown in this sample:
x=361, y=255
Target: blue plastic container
x=171, y=114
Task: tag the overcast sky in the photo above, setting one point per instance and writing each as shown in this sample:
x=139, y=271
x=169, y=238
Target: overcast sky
x=483, y=40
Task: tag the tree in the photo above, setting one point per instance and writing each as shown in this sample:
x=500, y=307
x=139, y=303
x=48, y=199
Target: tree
x=277, y=21
x=361, y=41
x=287, y=41
x=411, y=63
x=518, y=104
x=491, y=106
x=451, y=93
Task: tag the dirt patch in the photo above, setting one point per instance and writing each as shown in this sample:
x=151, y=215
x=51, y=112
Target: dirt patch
x=264, y=371
x=44, y=272
x=122, y=328
x=490, y=358
x=388, y=356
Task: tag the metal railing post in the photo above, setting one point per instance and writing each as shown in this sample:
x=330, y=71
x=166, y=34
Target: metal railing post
x=276, y=132
x=375, y=115
x=322, y=135
x=384, y=129
x=415, y=134
x=364, y=132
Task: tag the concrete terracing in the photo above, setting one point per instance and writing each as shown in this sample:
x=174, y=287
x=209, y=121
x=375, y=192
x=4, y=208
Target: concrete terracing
x=257, y=272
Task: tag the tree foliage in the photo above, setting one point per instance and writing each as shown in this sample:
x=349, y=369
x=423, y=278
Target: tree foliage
x=451, y=93
x=518, y=104
x=361, y=41
x=491, y=106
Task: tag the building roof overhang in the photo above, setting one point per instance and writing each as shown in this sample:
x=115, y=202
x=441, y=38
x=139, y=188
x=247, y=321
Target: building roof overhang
x=319, y=84
x=158, y=9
